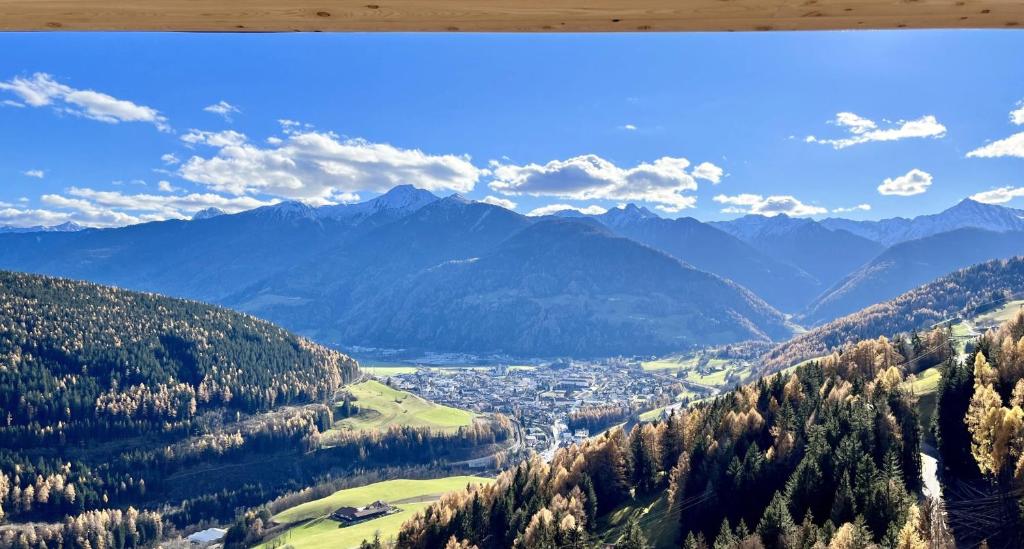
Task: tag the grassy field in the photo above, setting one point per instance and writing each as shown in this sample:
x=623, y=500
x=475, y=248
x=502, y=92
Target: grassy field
x=927, y=382
x=1004, y=313
x=381, y=406
x=313, y=529
x=653, y=516
x=671, y=363
x=716, y=369
x=385, y=371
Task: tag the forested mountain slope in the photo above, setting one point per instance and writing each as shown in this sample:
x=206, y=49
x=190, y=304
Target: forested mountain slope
x=826, y=254
x=472, y=277
x=710, y=249
x=115, y=399
x=825, y=456
x=81, y=363
x=964, y=292
x=561, y=287
x=909, y=264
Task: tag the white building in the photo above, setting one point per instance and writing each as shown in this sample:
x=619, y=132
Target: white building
x=206, y=538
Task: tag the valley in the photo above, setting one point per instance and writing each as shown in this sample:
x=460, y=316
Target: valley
x=502, y=352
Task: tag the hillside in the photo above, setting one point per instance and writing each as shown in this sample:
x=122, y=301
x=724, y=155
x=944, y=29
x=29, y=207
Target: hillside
x=707, y=248
x=962, y=293
x=117, y=400
x=373, y=405
x=825, y=254
x=566, y=288
x=470, y=277
x=909, y=264
x=311, y=528
x=827, y=455
x=82, y=363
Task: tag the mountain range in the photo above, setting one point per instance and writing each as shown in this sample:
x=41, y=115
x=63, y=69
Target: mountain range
x=410, y=270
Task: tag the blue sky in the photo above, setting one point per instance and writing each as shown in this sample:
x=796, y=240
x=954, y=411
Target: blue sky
x=108, y=129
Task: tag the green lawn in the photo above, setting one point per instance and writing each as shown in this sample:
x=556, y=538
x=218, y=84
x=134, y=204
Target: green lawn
x=381, y=406
x=313, y=529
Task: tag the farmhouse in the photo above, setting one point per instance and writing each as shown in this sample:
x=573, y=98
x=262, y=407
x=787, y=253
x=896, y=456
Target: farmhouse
x=352, y=515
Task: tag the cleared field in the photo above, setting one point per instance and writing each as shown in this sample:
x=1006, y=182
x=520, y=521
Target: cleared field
x=927, y=381
x=653, y=515
x=1000, y=315
x=385, y=371
x=671, y=363
x=716, y=371
x=313, y=529
x=381, y=406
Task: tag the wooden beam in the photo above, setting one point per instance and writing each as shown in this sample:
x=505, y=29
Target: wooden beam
x=504, y=15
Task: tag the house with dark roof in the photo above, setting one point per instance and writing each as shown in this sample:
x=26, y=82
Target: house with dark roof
x=352, y=515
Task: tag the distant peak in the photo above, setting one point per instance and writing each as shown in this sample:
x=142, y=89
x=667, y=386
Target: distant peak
x=207, y=213
x=291, y=209
x=456, y=198
x=626, y=214
x=67, y=227
x=404, y=196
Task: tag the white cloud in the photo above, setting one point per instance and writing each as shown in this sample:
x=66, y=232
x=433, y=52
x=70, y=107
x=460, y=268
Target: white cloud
x=12, y=103
x=41, y=90
x=496, y=201
x=913, y=182
x=857, y=208
x=170, y=159
x=629, y=127
x=999, y=196
x=319, y=167
x=166, y=187
x=38, y=174
x=226, y=138
x=767, y=206
x=591, y=177
x=30, y=217
x=1017, y=115
x=708, y=172
x=223, y=109
x=1011, y=146
x=863, y=130
x=593, y=209
x=113, y=209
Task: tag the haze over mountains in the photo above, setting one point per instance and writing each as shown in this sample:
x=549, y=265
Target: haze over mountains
x=409, y=270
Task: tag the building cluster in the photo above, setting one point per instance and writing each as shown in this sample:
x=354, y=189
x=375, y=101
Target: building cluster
x=542, y=397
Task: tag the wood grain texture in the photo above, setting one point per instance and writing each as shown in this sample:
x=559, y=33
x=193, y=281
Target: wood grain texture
x=505, y=15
